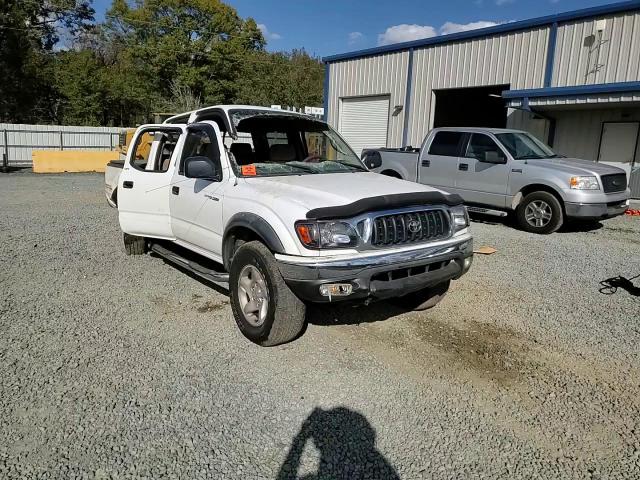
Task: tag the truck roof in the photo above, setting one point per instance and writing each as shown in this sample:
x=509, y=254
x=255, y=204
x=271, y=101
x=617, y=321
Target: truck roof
x=478, y=130
x=187, y=117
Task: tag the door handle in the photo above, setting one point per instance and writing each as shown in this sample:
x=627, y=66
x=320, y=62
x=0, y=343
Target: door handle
x=463, y=166
x=127, y=184
x=175, y=190
x=426, y=163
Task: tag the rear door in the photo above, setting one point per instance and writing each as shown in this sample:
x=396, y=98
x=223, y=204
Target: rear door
x=196, y=204
x=438, y=165
x=145, y=181
x=479, y=181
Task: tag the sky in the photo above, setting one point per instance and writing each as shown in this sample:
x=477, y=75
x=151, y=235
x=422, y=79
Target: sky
x=338, y=26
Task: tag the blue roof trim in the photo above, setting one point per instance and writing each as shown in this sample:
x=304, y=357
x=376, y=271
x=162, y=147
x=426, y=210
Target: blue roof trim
x=573, y=90
x=484, y=32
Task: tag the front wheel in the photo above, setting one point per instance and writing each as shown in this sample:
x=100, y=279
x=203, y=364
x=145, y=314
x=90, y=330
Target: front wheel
x=265, y=309
x=540, y=212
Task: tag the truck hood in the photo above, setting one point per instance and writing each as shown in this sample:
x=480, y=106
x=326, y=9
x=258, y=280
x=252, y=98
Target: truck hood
x=575, y=166
x=328, y=190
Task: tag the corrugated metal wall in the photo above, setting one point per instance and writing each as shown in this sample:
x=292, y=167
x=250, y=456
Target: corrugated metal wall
x=520, y=120
x=578, y=131
x=379, y=75
x=516, y=58
x=617, y=59
x=22, y=139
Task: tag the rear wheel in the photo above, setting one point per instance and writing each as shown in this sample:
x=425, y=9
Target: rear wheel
x=265, y=309
x=423, y=299
x=540, y=212
x=134, y=245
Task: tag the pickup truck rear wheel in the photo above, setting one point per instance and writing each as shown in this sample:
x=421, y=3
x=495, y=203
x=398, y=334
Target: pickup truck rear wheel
x=265, y=309
x=540, y=212
x=423, y=299
x=134, y=245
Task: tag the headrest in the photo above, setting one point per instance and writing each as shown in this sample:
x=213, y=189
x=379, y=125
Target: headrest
x=282, y=152
x=242, y=153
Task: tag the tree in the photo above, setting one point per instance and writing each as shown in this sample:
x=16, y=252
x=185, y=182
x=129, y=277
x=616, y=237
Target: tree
x=28, y=33
x=198, y=43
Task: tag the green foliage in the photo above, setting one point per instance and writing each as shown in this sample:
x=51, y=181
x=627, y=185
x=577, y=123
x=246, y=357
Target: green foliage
x=28, y=33
x=148, y=56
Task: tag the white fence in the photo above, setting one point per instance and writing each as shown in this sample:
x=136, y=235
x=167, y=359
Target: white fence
x=17, y=141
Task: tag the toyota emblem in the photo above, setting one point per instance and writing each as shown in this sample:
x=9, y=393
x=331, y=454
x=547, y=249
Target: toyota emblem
x=414, y=226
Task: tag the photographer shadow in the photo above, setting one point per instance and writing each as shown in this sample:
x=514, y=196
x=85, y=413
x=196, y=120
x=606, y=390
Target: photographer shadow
x=346, y=443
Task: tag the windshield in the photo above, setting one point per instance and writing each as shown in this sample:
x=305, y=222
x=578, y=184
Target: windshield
x=271, y=144
x=523, y=146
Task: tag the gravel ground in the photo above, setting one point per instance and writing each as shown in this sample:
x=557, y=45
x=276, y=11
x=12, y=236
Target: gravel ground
x=125, y=367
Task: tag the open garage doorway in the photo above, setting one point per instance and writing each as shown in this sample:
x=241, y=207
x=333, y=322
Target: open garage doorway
x=471, y=107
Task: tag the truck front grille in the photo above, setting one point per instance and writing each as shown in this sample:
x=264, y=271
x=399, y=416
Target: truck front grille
x=616, y=182
x=426, y=225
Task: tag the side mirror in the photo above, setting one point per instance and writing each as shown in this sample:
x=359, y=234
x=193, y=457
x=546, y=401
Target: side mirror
x=372, y=159
x=201, y=167
x=492, y=156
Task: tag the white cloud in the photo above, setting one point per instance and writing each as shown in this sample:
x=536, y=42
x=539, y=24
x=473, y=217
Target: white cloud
x=355, y=37
x=405, y=33
x=267, y=34
x=504, y=2
x=451, y=27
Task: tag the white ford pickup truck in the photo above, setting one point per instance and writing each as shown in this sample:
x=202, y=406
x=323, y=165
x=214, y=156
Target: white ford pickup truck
x=277, y=208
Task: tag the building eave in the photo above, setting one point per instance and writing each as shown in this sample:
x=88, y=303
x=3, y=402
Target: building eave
x=548, y=20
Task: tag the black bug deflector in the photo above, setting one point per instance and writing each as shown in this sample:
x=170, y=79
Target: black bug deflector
x=384, y=202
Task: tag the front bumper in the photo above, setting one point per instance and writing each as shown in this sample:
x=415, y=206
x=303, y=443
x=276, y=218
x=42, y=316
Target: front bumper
x=596, y=211
x=379, y=276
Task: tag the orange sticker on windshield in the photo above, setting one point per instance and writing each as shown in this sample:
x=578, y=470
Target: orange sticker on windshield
x=249, y=170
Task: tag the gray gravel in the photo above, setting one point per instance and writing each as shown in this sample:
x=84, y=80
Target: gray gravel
x=125, y=367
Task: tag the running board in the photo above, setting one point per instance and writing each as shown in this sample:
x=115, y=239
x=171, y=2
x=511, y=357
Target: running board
x=219, y=278
x=487, y=211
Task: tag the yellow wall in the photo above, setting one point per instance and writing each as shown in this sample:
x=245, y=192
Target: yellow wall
x=57, y=161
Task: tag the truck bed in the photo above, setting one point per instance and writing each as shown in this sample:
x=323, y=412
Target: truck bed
x=398, y=162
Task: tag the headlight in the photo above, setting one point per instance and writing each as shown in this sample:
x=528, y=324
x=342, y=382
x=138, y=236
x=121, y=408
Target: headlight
x=584, y=183
x=459, y=217
x=326, y=234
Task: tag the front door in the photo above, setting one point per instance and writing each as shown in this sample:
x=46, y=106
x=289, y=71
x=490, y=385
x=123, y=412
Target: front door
x=481, y=181
x=143, y=186
x=196, y=204
x=618, y=144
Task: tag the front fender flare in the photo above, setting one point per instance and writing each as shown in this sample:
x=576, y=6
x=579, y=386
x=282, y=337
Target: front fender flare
x=257, y=225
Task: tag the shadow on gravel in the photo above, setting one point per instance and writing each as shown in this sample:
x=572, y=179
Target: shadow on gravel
x=189, y=273
x=585, y=226
x=346, y=442
x=345, y=314
x=571, y=226
x=611, y=285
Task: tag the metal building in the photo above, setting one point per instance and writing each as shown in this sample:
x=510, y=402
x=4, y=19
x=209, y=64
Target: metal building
x=572, y=79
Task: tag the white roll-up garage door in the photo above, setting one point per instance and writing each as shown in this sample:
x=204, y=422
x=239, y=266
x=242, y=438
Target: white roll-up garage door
x=363, y=122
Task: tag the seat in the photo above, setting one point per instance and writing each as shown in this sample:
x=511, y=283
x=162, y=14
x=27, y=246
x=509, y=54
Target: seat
x=282, y=153
x=243, y=153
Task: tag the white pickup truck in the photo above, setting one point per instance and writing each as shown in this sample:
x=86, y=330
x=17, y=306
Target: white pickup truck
x=277, y=208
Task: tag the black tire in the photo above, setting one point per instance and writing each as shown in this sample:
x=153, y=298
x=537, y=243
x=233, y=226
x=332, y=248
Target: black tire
x=285, y=312
x=551, y=225
x=423, y=299
x=134, y=245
